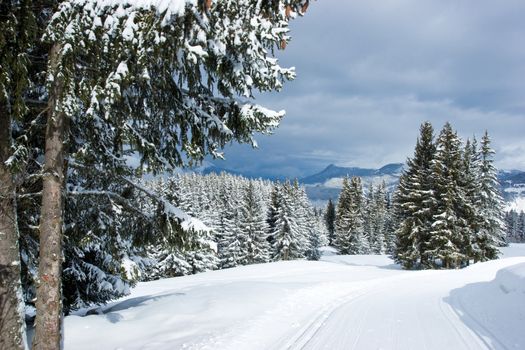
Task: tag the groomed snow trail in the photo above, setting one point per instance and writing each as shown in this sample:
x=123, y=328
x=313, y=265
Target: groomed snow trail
x=393, y=316
x=343, y=302
x=423, y=311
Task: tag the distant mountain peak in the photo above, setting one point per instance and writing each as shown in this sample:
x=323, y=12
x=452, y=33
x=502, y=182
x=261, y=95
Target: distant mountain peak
x=334, y=171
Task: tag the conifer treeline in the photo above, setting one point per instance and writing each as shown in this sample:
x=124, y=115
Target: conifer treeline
x=515, y=225
x=446, y=211
x=251, y=221
x=363, y=224
x=447, y=204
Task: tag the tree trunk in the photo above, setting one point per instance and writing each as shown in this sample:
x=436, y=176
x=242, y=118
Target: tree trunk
x=48, y=323
x=12, y=324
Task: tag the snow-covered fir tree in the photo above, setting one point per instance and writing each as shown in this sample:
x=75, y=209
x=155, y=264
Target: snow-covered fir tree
x=318, y=233
x=377, y=216
x=289, y=236
x=446, y=246
x=252, y=225
x=451, y=213
x=469, y=210
x=414, y=202
x=350, y=235
x=330, y=221
x=105, y=56
x=237, y=212
x=489, y=205
x=312, y=224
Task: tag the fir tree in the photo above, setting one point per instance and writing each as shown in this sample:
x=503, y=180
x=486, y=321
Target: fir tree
x=414, y=204
x=489, y=204
x=342, y=218
x=350, y=235
x=17, y=35
x=253, y=225
x=468, y=211
x=96, y=72
x=446, y=247
x=330, y=221
x=379, y=220
x=289, y=235
x=273, y=212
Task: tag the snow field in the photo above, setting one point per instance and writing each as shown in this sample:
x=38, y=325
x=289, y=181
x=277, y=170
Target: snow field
x=343, y=302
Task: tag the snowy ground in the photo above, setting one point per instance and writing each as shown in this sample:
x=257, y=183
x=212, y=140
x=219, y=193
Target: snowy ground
x=342, y=302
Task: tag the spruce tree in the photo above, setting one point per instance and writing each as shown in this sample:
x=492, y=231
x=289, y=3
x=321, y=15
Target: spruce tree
x=470, y=187
x=379, y=222
x=17, y=32
x=414, y=203
x=289, y=237
x=273, y=212
x=370, y=216
x=329, y=218
x=342, y=223
x=489, y=204
x=125, y=88
x=350, y=235
x=253, y=225
x=391, y=223
x=446, y=247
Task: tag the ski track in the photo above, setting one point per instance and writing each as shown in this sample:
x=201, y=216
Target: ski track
x=346, y=323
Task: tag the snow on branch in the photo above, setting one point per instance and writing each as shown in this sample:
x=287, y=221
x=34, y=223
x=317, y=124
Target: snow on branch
x=187, y=222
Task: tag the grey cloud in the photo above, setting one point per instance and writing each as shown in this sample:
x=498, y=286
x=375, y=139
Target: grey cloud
x=370, y=72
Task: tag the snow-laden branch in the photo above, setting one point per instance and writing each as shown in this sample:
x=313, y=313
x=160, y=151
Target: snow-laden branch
x=186, y=221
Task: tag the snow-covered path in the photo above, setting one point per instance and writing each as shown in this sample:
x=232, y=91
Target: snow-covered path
x=392, y=316
x=356, y=302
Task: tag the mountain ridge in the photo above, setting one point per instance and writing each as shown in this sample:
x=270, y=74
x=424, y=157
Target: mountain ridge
x=326, y=184
x=332, y=171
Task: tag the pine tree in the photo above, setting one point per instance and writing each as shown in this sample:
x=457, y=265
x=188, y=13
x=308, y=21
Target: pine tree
x=96, y=74
x=489, y=204
x=17, y=33
x=330, y=221
x=414, y=204
x=342, y=218
x=318, y=235
x=391, y=223
x=446, y=247
x=230, y=239
x=370, y=217
x=313, y=232
x=470, y=187
x=520, y=234
x=350, y=235
x=289, y=235
x=379, y=222
x=273, y=213
x=253, y=225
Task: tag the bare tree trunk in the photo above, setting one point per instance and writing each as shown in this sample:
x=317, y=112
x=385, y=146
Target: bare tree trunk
x=48, y=323
x=12, y=324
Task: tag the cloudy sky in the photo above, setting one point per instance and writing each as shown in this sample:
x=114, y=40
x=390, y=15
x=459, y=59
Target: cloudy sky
x=370, y=72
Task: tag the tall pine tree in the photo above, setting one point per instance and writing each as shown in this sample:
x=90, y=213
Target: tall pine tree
x=446, y=247
x=489, y=204
x=414, y=204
